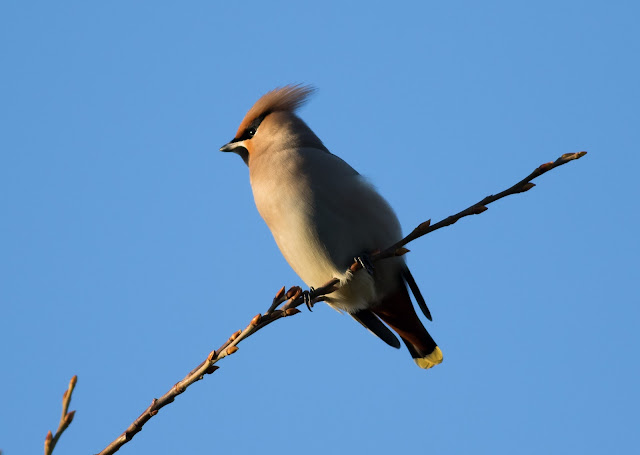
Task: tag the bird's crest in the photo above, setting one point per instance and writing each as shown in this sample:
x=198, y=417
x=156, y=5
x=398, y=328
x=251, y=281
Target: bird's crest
x=287, y=98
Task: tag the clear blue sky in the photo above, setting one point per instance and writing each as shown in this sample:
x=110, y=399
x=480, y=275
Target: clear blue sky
x=130, y=247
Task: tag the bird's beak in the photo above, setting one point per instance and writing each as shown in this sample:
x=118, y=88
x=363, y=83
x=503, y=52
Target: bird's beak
x=239, y=148
x=230, y=147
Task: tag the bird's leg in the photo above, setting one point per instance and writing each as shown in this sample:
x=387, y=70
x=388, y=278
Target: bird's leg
x=308, y=297
x=365, y=262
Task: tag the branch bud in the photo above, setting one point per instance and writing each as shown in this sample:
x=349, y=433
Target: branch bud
x=572, y=156
x=526, y=187
x=279, y=294
x=256, y=319
x=401, y=251
x=211, y=355
x=291, y=311
x=69, y=417
x=231, y=349
x=424, y=226
x=47, y=443
x=297, y=294
x=211, y=369
x=478, y=209
x=73, y=382
x=293, y=291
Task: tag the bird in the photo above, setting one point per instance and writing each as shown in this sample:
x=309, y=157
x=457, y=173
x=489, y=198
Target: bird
x=322, y=214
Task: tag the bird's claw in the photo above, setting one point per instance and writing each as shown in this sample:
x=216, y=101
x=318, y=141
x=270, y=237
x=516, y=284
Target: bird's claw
x=365, y=262
x=307, y=296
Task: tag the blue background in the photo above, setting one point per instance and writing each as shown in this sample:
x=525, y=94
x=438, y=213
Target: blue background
x=130, y=247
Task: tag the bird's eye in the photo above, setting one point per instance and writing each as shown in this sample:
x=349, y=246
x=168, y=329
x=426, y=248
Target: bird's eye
x=251, y=132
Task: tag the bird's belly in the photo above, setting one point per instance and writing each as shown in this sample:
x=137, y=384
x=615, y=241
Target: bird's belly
x=307, y=255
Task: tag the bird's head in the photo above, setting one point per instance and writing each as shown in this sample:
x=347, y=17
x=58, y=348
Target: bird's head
x=272, y=124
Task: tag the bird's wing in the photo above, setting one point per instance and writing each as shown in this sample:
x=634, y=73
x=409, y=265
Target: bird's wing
x=374, y=325
x=406, y=274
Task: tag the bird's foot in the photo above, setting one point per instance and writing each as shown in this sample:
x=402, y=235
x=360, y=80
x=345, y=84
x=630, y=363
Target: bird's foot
x=308, y=297
x=365, y=262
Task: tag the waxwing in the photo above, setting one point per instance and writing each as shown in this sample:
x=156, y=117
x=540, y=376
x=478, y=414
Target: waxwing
x=322, y=214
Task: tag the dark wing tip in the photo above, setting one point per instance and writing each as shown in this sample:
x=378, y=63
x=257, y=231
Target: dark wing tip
x=374, y=325
x=415, y=290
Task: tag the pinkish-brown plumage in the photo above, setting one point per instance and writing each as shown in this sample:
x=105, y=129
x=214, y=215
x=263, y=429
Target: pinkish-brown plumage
x=287, y=98
x=322, y=214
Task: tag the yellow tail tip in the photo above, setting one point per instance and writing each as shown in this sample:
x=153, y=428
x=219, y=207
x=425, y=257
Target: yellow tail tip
x=430, y=360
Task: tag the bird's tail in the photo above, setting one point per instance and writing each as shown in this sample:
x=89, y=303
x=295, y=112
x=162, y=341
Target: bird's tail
x=396, y=310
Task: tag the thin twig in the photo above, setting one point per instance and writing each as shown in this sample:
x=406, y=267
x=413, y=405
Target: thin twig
x=65, y=420
x=294, y=297
x=206, y=367
x=424, y=228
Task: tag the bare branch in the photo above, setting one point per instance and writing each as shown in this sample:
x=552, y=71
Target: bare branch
x=206, y=367
x=520, y=187
x=294, y=297
x=65, y=420
x=426, y=227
